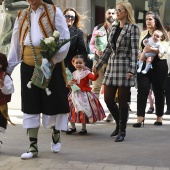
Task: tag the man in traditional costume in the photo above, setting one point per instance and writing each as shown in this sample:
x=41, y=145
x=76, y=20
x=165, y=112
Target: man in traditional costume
x=31, y=26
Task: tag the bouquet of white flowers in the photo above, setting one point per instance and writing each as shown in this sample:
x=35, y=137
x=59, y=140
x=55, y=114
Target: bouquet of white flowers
x=42, y=71
x=100, y=40
x=50, y=46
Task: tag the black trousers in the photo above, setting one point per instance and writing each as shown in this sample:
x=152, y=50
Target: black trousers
x=157, y=76
x=167, y=92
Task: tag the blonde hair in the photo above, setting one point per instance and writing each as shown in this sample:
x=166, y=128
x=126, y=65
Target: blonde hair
x=129, y=9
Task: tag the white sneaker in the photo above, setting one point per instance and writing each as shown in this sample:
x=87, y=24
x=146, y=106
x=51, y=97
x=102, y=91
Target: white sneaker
x=55, y=147
x=28, y=155
x=109, y=118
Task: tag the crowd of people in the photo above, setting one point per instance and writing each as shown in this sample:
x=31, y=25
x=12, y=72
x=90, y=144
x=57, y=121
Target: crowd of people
x=120, y=53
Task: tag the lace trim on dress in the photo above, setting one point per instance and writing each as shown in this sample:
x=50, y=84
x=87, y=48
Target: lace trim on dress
x=80, y=74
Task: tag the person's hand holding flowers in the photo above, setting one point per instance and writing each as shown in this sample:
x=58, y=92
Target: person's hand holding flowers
x=50, y=46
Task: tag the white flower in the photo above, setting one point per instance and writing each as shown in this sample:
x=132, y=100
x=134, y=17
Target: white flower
x=46, y=40
x=49, y=40
x=56, y=34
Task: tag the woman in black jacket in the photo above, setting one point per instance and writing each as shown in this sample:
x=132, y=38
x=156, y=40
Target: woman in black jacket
x=77, y=45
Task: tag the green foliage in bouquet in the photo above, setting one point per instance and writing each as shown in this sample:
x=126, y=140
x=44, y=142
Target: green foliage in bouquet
x=52, y=44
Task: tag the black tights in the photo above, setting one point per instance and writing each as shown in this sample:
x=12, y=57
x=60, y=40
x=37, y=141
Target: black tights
x=120, y=115
x=123, y=96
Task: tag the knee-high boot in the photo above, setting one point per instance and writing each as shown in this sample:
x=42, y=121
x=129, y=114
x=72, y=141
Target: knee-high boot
x=115, y=115
x=122, y=124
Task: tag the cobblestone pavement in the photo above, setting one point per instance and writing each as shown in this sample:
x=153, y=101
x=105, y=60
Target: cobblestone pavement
x=15, y=163
x=143, y=149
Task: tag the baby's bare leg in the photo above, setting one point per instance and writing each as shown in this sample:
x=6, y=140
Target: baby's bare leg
x=148, y=64
x=142, y=57
x=150, y=59
x=140, y=62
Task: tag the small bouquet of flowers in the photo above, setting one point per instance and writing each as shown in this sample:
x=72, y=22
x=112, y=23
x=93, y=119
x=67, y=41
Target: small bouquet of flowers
x=50, y=46
x=42, y=71
x=100, y=40
x=73, y=87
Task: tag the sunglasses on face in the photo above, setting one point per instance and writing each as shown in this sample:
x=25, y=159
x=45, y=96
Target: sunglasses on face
x=119, y=10
x=69, y=17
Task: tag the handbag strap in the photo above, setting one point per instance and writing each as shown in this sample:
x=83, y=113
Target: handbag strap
x=29, y=32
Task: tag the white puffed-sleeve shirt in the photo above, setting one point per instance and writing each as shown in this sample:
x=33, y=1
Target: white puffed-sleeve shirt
x=14, y=57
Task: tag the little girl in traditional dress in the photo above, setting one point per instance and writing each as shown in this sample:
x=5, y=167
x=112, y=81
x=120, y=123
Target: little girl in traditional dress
x=84, y=105
x=6, y=89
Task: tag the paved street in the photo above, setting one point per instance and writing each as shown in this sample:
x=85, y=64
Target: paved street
x=146, y=148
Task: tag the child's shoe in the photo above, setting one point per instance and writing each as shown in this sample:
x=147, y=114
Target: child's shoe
x=83, y=132
x=70, y=131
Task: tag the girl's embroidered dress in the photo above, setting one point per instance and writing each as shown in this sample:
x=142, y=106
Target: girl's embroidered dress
x=84, y=105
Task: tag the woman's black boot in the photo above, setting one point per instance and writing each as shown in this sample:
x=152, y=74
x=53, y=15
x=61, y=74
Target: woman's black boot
x=115, y=132
x=115, y=115
x=120, y=137
x=122, y=124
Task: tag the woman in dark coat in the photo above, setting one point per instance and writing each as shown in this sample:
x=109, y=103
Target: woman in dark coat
x=77, y=45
